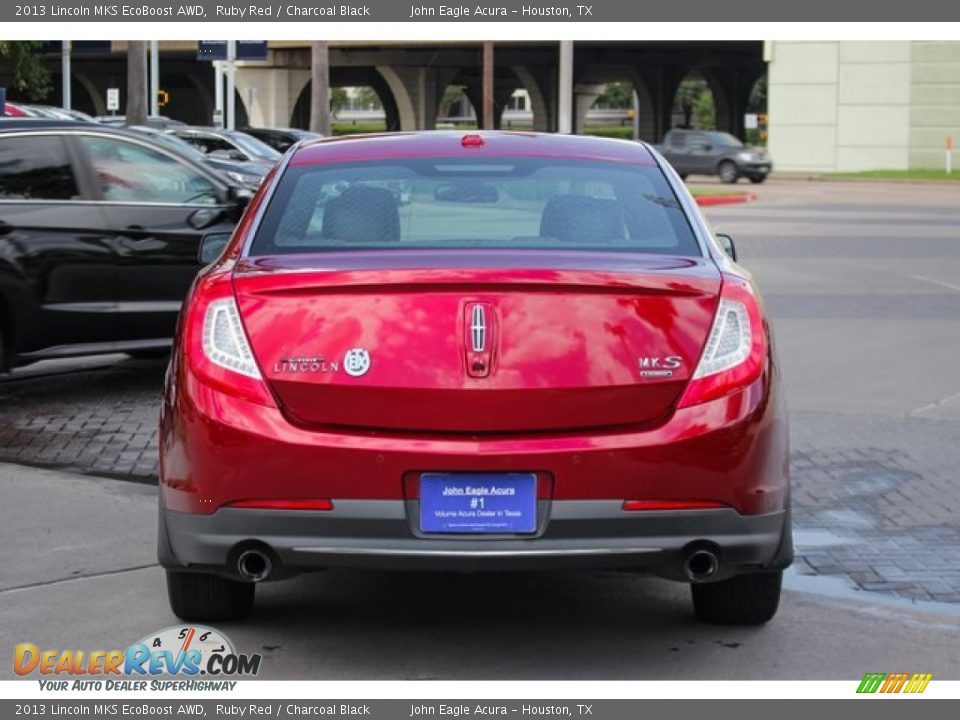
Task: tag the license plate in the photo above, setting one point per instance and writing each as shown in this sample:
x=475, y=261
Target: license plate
x=478, y=503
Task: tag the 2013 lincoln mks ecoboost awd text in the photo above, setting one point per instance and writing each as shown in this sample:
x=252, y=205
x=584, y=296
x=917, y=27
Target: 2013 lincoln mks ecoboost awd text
x=469, y=352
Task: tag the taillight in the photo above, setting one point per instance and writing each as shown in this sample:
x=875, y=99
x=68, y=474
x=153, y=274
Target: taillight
x=224, y=340
x=735, y=353
x=219, y=352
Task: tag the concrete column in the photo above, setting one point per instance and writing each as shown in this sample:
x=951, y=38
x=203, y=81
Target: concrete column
x=540, y=85
x=584, y=97
x=565, y=88
x=400, y=80
x=270, y=93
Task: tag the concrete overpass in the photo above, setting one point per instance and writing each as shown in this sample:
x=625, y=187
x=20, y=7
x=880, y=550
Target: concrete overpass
x=410, y=79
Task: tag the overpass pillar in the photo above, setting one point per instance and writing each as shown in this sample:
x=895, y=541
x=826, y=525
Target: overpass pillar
x=584, y=97
x=269, y=93
x=541, y=85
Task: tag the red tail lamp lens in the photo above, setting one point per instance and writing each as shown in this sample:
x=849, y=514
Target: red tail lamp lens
x=633, y=505
x=283, y=504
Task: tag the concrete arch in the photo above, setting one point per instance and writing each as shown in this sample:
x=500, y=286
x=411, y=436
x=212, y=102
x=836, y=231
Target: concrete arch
x=542, y=114
x=401, y=96
x=96, y=98
x=298, y=114
x=721, y=98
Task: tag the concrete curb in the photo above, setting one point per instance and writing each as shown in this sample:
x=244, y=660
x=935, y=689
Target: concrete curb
x=709, y=200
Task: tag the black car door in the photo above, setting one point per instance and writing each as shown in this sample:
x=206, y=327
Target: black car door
x=148, y=196
x=56, y=262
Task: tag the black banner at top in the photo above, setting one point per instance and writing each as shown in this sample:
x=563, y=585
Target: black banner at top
x=419, y=11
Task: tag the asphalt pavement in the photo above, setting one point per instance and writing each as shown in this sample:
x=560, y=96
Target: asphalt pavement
x=862, y=281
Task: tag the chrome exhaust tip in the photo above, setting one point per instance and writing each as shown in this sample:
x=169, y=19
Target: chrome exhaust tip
x=701, y=565
x=254, y=566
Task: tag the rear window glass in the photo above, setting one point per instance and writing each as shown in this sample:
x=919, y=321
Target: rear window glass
x=531, y=203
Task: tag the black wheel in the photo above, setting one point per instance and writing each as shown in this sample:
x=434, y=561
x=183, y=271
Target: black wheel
x=684, y=176
x=757, y=179
x=199, y=596
x=741, y=600
x=727, y=170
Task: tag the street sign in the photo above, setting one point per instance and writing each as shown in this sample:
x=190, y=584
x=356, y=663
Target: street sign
x=91, y=47
x=246, y=50
x=212, y=50
x=750, y=121
x=251, y=49
x=113, y=99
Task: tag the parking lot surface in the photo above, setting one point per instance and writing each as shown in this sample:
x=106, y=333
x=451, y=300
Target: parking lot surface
x=862, y=281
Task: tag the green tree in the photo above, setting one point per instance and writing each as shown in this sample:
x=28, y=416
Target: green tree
x=694, y=101
x=25, y=65
x=452, y=94
x=367, y=98
x=338, y=99
x=757, y=102
x=615, y=96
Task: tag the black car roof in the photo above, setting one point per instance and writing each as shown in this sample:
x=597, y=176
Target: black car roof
x=7, y=123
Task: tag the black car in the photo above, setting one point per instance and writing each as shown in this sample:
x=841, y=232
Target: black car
x=228, y=144
x=280, y=139
x=99, y=237
x=710, y=152
x=248, y=174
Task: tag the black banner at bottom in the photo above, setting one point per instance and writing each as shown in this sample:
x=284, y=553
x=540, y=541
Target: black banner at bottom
x=874, y=708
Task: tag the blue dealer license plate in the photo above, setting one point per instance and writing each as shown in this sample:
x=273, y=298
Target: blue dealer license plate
x=478, y=503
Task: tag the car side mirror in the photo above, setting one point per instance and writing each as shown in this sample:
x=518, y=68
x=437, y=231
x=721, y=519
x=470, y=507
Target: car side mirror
x=726, y=242
x=239, y=195
x=203, y=217
x=211, y=246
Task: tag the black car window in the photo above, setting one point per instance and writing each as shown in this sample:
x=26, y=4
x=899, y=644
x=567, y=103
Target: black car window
x=497, y=203
x=130, y=172
x=36, y=168
x=209, y=143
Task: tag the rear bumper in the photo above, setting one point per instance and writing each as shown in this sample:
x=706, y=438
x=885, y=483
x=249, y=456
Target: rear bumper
x=383, y=534
x=758, y=169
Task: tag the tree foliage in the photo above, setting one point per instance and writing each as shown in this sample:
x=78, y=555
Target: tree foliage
x=616, y=96
x=23, y=62
x=694, y=101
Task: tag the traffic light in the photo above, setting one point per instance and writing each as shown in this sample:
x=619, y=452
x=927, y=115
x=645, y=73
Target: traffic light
x=163, y=97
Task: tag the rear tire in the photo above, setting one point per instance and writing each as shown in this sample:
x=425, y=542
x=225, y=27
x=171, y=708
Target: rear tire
x=742, y=600
x=201, y=596
x=727, y=170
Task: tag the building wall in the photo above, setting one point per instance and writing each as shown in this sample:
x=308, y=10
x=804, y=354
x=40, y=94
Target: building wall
x=935, y=106
x=848, y=106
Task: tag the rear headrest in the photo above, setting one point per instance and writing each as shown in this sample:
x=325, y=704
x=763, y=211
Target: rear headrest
x=362, y=215
x=579, y=218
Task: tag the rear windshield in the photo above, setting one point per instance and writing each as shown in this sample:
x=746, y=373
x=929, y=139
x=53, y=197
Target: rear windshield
x=531, y=203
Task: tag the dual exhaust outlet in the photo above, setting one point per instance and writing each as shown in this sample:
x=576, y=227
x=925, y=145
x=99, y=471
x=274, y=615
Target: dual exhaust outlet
x=700, y=565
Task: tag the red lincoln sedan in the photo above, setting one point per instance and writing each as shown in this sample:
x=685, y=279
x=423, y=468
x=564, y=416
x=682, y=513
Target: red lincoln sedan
x=471, y=352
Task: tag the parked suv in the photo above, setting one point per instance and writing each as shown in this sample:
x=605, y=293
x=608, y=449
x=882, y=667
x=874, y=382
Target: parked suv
x=281, y=139
x=709, y=152
x=99, y=235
